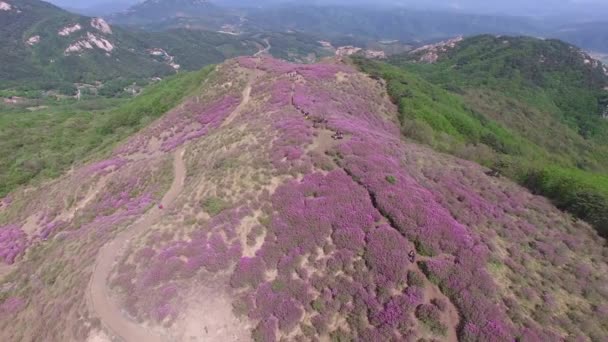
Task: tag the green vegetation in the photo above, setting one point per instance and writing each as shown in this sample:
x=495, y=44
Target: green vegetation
x=214, y=205
x=136, y=56
x=583, y=194
x=45, y=65
x=526, y=107
x=42, y=144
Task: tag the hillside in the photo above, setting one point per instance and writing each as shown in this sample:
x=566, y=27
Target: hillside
x=280, y=202
x=533, y=109
x=42, y=139
x=44, y=47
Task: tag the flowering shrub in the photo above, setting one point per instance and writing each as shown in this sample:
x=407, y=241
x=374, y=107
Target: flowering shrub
x=248, y=272
x=208, y=118
x=387, y=253
x=331, y=256
x=431, y=317
x=396, y=312
x=11, y=306
x=266, y=330
x=104, y=165
x=52, y=227
x=13, y=243
x=278, y=304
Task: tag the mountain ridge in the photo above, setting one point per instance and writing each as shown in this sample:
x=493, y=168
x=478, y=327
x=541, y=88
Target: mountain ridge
x=302, y=205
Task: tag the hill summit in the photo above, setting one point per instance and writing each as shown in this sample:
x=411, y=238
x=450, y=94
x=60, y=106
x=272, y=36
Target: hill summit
x=281, y=202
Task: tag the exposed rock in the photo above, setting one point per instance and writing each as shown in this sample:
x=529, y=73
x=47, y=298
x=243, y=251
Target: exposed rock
x=348, y=50
x=325, y=44
x=92, y=41
x=166, y=58
x=33, y=40
x=430, y=53
x=374, y=54
x=4, y=6
x=68, y=30
x=101, y=25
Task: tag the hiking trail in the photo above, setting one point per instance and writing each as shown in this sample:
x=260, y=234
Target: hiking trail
x=99, y=299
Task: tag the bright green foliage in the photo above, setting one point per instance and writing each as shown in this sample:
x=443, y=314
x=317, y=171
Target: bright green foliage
x=583, y=194
x=428, y=109
x=549, y=75
x=45, y=143
x=528, y=107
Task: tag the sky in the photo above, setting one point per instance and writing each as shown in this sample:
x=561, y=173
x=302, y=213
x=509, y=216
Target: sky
x=508, y=7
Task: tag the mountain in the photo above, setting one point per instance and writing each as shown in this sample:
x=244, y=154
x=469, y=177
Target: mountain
x=165, y=14
x=409, y=23
x=405, y=22
x=532, y=109
x=94, y=7
x=44, y=47
x=384, y=23
x=281, y=201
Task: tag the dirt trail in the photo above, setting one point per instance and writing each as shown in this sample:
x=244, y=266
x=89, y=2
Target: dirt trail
x=99, y=299
x=450, y=316
x=246, y=97
x=264, y=50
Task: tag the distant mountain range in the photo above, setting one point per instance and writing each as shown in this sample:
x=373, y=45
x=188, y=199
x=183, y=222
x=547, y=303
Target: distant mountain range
x=333, y=19
x=45, y=47
x=163, y=14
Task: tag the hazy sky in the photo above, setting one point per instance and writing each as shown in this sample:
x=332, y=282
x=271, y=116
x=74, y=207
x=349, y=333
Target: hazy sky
x=514, y=7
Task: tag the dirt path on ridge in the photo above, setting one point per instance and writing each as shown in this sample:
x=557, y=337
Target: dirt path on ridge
x=246, y=96
x=98, y=296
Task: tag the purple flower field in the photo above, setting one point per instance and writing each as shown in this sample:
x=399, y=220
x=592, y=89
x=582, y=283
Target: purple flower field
x=314, y=215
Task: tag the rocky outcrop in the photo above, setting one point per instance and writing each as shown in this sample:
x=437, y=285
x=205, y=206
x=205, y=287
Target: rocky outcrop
x=33, y=40
x=90, y=42
x=101, y=25
x=68, y=30
x=431, y=53
x=5, y=6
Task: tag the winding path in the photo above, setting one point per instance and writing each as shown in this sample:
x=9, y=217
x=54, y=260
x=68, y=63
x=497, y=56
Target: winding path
x=98, y=298
x=264, y=50
x=246, y=96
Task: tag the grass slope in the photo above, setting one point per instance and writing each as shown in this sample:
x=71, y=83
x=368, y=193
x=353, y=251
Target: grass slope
x=43, y=144
x=528, y=107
